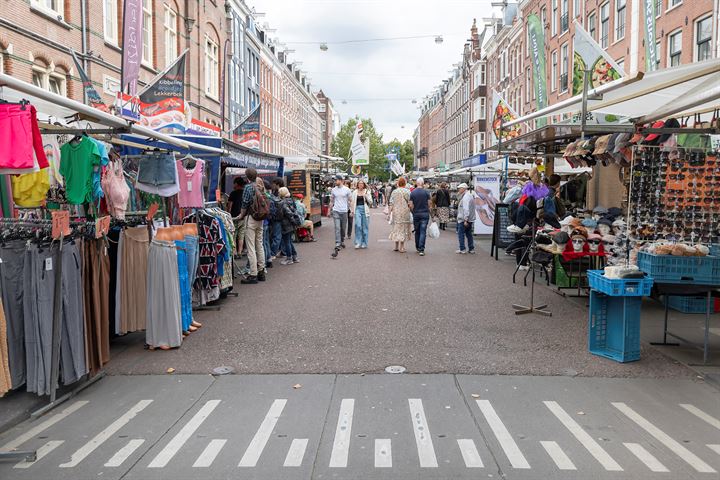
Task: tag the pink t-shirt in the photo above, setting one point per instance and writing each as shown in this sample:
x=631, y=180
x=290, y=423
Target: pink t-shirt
x=191, y=187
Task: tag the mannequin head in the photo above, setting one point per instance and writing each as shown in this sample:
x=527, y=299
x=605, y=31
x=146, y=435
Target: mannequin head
x=594, y=241
x=560, y=241
x=578, y=243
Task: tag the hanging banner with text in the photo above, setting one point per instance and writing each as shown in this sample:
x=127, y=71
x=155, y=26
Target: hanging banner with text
x=359, y=150
x=651, y=52
x=487, y=193
x=162, y=103
x=247, y=133
x=92, y=97
x=536, y=34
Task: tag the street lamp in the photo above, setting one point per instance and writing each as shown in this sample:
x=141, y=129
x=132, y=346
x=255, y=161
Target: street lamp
x=323, y=47
x=439, y=39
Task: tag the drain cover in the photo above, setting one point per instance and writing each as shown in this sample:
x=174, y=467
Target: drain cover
x=222, y=370
x=395, y=369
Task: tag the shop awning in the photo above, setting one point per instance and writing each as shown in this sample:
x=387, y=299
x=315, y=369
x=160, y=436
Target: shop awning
x=561, y=167
x=637, y=96
x=59, y=107
x=243, y=157
x=550, y=136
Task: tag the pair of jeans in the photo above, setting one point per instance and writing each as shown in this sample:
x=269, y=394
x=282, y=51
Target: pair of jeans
x=362, y=226
x=276, y=238
x=465, y=232
x=267, y=229
x=340, y=219
x=420, y=223
x=287, y=245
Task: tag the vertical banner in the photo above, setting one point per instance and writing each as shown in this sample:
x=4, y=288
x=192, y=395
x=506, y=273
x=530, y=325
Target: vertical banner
x=589, y=55
x=536, y=34
x=247, y=133
x=502, y=114
x=92, y=97
x=132, y=44
x=162, y=103
x=359, y=153
x=487, y=194
x=651, y=53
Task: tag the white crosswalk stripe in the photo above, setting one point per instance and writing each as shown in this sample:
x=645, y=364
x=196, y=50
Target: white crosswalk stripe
x=257, y=445
x=41, y=427
x=124, y=453
x=671, y=444
x=41, y=453
x=714, y=448
x=383, y=453
x=423, y=439
x=646, y=457
x=171, y=449
x=469, y=452
x=583, y=437
x=296, y=453
x=82, y=453
x=208, y=455
x=701, y=415
x=507, y=443
x=562, y=461
x=341, y=444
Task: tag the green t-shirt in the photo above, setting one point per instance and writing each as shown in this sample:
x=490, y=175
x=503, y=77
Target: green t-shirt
x=76, y=166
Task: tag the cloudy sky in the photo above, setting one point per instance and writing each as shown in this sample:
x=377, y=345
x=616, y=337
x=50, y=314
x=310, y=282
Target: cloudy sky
x=377, y=79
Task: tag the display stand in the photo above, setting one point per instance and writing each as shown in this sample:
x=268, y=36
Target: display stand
x=532, y=308
x=501, y=238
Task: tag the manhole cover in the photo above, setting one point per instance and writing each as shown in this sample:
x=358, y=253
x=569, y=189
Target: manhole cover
x=222, y=370
x=395, y=369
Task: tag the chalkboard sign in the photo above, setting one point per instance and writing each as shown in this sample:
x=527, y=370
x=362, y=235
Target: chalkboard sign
x=501, y=238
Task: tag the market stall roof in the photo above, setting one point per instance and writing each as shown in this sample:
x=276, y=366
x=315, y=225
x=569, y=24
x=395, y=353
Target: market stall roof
x=557, y=134
x=243, y=157
x=59, y=107
x=561, y=167
x=638, y=96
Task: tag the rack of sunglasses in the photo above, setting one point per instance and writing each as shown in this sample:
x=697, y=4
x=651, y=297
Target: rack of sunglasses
x=674, y=195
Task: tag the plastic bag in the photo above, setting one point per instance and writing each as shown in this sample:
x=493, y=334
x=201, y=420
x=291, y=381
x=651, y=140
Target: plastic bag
x=433, y=230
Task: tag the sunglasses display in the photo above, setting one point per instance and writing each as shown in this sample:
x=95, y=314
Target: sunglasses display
x=674, y=196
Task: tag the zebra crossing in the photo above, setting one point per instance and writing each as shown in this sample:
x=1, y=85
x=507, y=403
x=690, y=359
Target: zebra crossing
x=353, y=427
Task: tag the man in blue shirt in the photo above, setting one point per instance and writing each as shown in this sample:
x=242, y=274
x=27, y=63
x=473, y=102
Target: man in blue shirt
x=419, y=204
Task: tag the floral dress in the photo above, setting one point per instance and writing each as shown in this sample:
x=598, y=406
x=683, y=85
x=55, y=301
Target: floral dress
x=401, y=231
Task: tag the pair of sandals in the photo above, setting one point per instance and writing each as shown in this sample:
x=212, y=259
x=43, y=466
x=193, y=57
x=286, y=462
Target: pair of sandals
x=401, y=251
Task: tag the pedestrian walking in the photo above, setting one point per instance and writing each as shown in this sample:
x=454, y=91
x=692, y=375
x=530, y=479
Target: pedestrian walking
x=234, y=206
x=290, y=220
x=400, y=214
x=353, y=186
x=420, y=207
x=339, y=206
x=465, y=219
x=442, y=203
x=254, y=209
x=360, y=209
x=388, y=192
x=276, y=217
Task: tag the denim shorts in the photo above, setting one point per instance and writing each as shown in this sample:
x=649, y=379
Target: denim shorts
x=157, y=170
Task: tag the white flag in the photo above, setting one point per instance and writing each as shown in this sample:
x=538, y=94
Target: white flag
x=359, y=151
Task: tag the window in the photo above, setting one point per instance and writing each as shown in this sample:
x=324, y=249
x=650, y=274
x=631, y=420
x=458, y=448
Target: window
x=592, y=25
x=553, y=73
x=673, y=3
x=621, y=64
x=47, y=78
x=553, y=20
x=111, y=85
x=674, y=48
x=479, y=142
x=171, y=35
x=703, y=36
x=564, y=16
x=564, y=68
x=482, y=75
x=604, y=24
x=110, y=18
x=148, y=42
x=658, y=8
x=576, y=8
x=212, y=68
x=543, y=17
x=657, y=54
x=479, y=109
x=56, y=7
x=620, y=11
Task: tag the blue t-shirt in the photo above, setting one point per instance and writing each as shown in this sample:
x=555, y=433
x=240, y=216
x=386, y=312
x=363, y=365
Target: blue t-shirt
x=420, y=199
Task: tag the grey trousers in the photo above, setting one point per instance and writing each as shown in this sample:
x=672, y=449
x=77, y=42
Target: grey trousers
x=341, y=222
x=72, y=343
x=164, y=317
x=12, y=264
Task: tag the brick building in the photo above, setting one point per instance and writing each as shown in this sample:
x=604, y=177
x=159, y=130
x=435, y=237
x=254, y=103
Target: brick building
x=328, y=116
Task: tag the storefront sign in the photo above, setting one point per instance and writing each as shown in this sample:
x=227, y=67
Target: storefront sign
x=297, y=182
x=536, y=34
x=474, y=161
x=651, y=52
x=487, y=193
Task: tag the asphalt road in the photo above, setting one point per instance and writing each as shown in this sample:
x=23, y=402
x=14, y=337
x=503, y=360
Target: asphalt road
x=442, y=313
x=375, y=427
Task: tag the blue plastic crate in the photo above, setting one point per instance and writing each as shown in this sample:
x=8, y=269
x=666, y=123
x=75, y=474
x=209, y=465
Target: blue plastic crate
x=672, y=269
x=690, y=304
x=715, y=249
x=614, y=327
x=619, y=287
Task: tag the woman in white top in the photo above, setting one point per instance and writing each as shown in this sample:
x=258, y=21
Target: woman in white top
x=360, y=208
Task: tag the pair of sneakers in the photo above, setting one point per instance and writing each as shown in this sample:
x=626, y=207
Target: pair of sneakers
x=289, y=261
x=463, y=252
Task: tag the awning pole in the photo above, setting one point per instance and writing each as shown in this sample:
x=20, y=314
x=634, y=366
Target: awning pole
x=583, y=118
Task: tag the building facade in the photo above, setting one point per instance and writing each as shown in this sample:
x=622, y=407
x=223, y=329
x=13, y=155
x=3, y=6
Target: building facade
x=328, y=117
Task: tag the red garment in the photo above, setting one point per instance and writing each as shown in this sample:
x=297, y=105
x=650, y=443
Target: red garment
x=523, y=199
x=571, y=254
x=19, y=139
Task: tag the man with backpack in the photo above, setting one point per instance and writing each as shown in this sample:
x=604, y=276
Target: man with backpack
x=255, y=209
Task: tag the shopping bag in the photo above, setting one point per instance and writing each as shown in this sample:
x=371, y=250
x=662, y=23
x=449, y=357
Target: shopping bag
x=433, y=230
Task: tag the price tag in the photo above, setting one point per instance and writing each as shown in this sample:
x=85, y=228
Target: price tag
x=189, y=186
x=218, y=195
x=102, y=226
x=152, y=211
x=48, y=264
x=60, y=223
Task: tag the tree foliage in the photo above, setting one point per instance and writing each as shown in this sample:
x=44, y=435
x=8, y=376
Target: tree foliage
x=406, y=151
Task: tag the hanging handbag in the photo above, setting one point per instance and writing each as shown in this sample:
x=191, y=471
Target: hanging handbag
x=694, y=140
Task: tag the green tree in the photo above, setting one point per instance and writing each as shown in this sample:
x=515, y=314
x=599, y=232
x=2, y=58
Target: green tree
x=341, y=147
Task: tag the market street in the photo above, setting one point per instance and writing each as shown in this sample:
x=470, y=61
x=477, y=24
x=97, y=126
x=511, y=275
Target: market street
x=376, y=426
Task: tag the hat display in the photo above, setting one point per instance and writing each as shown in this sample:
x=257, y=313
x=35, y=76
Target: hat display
x=614, y=212
x=601, y=145
x=593, y=236
x=589, y=223
x=600, y=210
x=654, y=136
x=605, y=221
x=671, y=123
x=579, y=232
x=609, y=239
x=463, y=185
x=561, y=237
x=567, y=220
